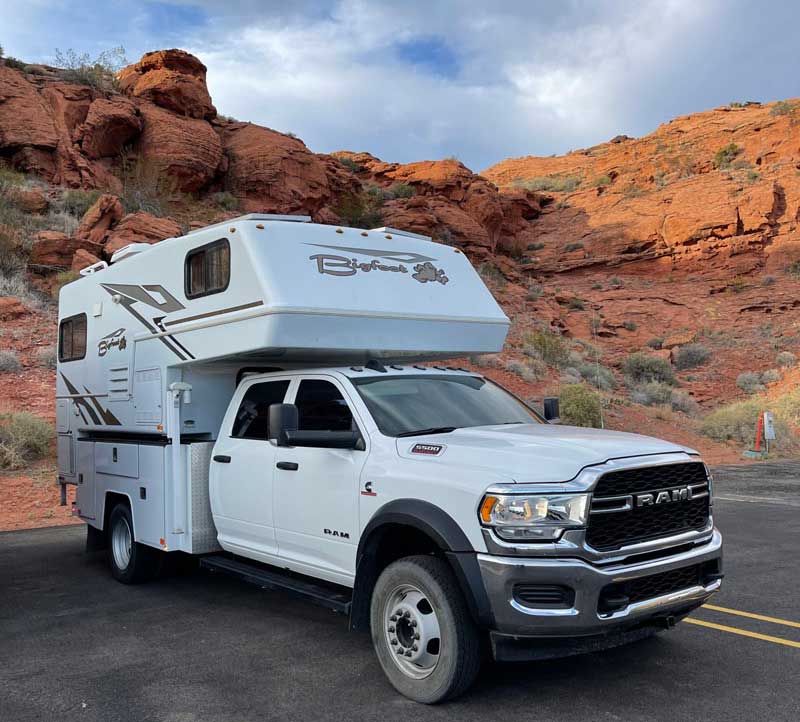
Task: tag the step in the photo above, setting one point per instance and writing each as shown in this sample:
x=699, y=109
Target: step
x=330, y=596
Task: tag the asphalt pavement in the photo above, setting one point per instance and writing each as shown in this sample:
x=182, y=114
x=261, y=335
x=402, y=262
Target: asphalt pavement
x=76, y=645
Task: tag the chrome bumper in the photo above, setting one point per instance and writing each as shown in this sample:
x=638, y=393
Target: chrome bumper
x=501, y=574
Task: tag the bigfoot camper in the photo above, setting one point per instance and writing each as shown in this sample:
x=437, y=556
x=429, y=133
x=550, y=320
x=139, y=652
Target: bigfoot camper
x=268, y=394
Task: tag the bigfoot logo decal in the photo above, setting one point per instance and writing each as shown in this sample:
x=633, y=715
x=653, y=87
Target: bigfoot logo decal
x=390, y=262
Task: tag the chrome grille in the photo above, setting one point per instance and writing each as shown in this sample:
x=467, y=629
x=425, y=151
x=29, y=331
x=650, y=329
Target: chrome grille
x=635, y=505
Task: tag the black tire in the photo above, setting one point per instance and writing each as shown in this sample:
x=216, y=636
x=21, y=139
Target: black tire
x=140, y=564
x=455, y=659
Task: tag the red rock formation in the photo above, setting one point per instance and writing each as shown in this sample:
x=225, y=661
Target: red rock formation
x=54, y=251
x=140, y=227
x=173, y=79
x=186, y=149
x=97, y=221
x=110, y=124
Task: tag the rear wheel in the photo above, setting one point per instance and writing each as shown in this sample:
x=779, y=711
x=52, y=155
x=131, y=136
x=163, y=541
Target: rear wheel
x=130, y=561
x=425, y=639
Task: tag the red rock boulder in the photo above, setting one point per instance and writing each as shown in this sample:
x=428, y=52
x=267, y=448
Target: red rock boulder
x=186, y=149
x=53, y=250
x=110, y=124
x=11, y=308
x=173, y=79
x=83, y=259
x=97, y=221
x=140, y=227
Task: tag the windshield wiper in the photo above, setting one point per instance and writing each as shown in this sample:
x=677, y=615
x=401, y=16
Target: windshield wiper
x=433, y=430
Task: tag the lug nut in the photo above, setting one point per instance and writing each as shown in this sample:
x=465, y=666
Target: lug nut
x=391, y=629
x=408, y=653
x=413, y=622
x=416, y=636
x=393, y=618
x=399, y=650
x=393, y=642
x=414, y=648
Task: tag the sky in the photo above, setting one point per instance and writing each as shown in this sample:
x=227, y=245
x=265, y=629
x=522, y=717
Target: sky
x=420, y=80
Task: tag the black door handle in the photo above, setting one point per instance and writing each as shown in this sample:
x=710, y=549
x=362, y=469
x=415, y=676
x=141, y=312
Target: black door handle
x=222, y=459
x=287, y=466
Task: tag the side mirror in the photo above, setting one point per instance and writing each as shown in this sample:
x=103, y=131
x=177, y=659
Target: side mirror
x=551, y=412
x=283, y=423
x=283, y=418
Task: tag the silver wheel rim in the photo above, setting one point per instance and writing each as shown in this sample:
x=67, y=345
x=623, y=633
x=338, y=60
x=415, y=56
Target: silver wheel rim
x=412, y=632
x=121, y=539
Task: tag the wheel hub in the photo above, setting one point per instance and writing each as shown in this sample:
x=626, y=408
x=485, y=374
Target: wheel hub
x=121, y=541
x=412, y=631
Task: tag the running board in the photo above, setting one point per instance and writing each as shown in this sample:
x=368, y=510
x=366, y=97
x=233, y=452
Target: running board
x=338, y=600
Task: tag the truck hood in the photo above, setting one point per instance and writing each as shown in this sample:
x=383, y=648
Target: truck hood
x=531, y=453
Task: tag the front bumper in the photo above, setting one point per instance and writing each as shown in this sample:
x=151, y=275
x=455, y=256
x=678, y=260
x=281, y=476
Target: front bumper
x=584, y=617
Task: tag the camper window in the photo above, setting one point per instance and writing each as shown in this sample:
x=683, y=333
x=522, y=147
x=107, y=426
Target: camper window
x=72, y=338
x=208, y=269
x=322, y=407
x=252, y=418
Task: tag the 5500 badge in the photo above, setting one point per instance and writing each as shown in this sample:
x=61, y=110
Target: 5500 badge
x=113, y=340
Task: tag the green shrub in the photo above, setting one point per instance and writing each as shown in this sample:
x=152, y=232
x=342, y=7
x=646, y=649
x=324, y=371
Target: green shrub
x=629, y=325
x=47, y=357
x=725, y=156
x=575, y=304
x=574, y=246
x=145, y=185
x=793, y=269
x=640, y=368
x=615, y=282
x=786, y=358
x=351, y=165
x=401, y=190
x=601, y=181
x=782, y=107
x=548, y=346
x=225, y=200
x=770, y=376
x=9, y=361
x=597, y=375
x=655, y=342
x=538, y=246
x=77, y=202
x=99, y=72
x=61, y=279
x=580, y=406
x=652, y=393
x=14, y=63
x=749, y=382
x=597, y=286
x=691, y=356
x=555, y=183
x=681, y=401
x=491, y=274
x=530, y=370
x=24, y=438
x=738, y=421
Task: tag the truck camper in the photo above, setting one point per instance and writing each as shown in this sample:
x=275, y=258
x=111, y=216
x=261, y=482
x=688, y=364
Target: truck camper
x=269, y=395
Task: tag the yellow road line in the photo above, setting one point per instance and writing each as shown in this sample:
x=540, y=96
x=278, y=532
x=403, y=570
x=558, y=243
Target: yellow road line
x=744, y=632
x=751, y=615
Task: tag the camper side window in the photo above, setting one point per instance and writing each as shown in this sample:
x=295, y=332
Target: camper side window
x=72, y=338
x=208, y=269
x=252, y=417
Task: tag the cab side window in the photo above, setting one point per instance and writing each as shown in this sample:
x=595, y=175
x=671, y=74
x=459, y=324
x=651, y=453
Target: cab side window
x=322, y=407
x=252, y=418
x=72, y=338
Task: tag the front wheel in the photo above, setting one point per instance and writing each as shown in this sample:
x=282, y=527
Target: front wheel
x=130, y=561
x=425, y=639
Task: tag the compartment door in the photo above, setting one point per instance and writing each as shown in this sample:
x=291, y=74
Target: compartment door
x=86, y=492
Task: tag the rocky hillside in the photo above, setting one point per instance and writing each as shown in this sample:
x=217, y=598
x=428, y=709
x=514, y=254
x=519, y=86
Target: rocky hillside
x=656, y=278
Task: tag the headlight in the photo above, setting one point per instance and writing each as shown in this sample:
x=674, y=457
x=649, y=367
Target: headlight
x=534, y=518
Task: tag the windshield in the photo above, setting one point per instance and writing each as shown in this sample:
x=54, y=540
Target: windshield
x=405, y=405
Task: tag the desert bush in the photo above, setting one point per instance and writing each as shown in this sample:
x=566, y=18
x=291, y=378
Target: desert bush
x=401, y=190
x=770, y=376
x=61, y=279
x=691, y=356
x=597, y=375
x=724, y=157
x=484, y=361
x=655, y=342
x=601, y=181
x=580, y=406
x=99, y=72
x=629, y=325
x=548, y=346
x=145, y=185
x=77, y=202
x=640, y=368
x=361, y=210
x=749, y=382
x=681, y=401
x=9, y=361
x=47, y=357
x=768, y=281
x=786, y=358
x=615, y=282
x=24, y=438
x=535, y=291
x=652, y=393
x=225, y=200
x=597, y=286
x=530, y=370
x=793, y=269
x=491, y=274
x=537, y=246
x=574, y=246
x=351, y=165
x=782, y=107
x=575, y=304
x=737, y=421
x=556, y=183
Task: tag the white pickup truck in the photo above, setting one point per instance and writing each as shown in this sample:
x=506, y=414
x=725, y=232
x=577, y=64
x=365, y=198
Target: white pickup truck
x=433, y=507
